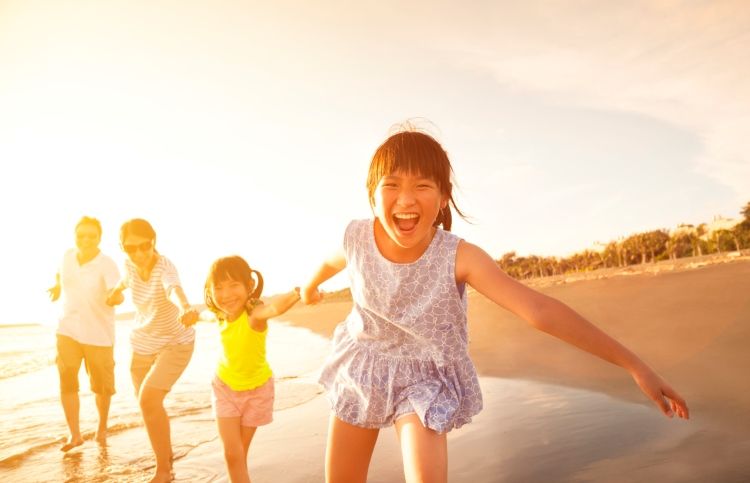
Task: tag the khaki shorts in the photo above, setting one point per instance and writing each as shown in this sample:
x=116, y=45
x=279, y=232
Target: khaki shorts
x=160, y=370
x=254, y=407
x=99, y=364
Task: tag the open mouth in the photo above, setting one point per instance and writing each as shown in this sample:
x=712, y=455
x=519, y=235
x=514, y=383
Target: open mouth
x=231, y=303
x=406, y=222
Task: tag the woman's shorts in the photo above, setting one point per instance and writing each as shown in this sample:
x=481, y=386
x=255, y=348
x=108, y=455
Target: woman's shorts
x=160, y=370
x=254, y=407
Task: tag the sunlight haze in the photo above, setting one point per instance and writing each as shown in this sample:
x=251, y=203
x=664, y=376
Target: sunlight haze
x=247, y=127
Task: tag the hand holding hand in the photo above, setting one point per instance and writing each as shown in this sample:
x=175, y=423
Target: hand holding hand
x=115, y=297
x=188, y=316
x=310, y=295
x=657, y=389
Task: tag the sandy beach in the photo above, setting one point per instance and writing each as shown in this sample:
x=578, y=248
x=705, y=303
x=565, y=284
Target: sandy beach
x=551, y=412
x=554, y=413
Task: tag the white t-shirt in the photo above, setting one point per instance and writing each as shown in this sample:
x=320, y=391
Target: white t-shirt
x=86, y=317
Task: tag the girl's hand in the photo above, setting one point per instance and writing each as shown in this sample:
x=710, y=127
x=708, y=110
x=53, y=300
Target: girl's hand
x=188, y=316
x=661, y=393
x=115, y=297
x=310, y=295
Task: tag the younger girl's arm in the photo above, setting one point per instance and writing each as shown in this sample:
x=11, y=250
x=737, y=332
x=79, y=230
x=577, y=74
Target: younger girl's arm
x=476, y=267
x=330, y=267
x=258, y=317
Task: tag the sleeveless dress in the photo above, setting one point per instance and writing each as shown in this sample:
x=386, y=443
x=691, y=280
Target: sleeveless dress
x=404, y=346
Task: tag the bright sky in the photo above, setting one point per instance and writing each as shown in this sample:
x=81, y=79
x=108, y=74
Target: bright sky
x=247, y=127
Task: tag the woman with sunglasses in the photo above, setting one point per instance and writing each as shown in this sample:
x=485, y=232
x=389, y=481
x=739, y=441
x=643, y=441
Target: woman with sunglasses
x=163, y=341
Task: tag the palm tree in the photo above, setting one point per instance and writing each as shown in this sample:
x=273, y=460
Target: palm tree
x=655, y=242
x=698, y=238
x=746, y=212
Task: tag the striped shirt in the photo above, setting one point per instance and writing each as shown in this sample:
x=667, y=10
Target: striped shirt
x=157, y=317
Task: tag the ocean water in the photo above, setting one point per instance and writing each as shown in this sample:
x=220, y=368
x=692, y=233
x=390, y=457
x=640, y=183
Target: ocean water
x=33, y=423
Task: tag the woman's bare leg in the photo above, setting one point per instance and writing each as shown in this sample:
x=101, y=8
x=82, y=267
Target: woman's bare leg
x=157, y=425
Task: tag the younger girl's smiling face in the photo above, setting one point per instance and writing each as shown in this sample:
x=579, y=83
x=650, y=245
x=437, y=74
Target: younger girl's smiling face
x=407, y=205
x=230, y=296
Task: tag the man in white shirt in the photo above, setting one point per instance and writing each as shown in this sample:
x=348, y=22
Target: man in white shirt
x=86, y=329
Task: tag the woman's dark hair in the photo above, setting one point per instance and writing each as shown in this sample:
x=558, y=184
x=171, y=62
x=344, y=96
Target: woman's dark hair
x=137, y=227
x=232, y=268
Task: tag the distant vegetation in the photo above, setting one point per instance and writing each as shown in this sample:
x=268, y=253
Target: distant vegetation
x=719, y=236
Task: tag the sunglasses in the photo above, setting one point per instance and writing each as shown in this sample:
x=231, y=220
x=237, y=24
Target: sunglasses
x=143, y=247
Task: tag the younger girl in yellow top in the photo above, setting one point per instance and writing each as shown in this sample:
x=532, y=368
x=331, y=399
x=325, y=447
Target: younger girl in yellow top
x=243, y=389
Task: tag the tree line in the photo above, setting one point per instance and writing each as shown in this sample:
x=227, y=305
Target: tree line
x=686, y=240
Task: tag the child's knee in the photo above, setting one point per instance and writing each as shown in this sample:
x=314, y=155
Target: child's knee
x=234, y=456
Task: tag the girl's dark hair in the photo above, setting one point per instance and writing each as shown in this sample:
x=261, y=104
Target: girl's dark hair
x=137, y=227
x=232, y=268
x=415, y=153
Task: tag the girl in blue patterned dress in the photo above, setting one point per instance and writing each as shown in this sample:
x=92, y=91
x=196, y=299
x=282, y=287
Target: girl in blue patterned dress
x=401, y=356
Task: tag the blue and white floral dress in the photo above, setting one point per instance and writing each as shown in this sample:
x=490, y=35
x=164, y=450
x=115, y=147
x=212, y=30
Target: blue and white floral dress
x=404, y=347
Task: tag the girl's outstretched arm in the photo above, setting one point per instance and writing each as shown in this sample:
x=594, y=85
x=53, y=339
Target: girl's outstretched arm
x=259, y=315
x=330, y=267
x=475, y=267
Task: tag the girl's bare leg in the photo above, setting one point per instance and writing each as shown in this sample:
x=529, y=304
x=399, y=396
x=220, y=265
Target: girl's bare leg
x=424, y=451
x=236, y=441
x=348, y=452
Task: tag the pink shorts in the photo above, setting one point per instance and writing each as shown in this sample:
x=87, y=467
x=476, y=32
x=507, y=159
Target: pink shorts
x=254, y=407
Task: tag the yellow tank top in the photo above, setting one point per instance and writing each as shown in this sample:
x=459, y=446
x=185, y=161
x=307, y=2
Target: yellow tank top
x=242, y=365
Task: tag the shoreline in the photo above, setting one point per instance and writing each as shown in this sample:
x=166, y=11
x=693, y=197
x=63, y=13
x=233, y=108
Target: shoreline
x=551, y=412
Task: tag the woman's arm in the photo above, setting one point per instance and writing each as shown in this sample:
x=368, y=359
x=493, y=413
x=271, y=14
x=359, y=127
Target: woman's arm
x=258, y=317
x=330, y=267
x=476, y=267
x=188, y=315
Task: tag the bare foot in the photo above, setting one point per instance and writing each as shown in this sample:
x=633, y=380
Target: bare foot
x=72, y=443
x=101, y=436
x=161, y=477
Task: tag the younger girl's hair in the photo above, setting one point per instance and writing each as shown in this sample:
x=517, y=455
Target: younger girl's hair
x=137, y=227
x=232, y=268
x=417, y=153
